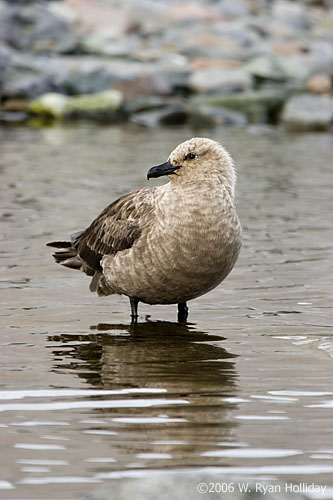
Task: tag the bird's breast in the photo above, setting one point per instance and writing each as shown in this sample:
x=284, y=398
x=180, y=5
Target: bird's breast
x=188, y=249
x=197, y=219
x=196, y=238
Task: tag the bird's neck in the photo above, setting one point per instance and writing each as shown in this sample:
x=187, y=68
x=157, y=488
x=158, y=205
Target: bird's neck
x=217, y=182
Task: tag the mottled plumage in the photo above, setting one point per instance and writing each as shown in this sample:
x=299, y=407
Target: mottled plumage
x=166, y=244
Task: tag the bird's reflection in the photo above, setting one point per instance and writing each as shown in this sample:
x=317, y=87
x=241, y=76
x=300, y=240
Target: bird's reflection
x=152, y=354
x=186, y=364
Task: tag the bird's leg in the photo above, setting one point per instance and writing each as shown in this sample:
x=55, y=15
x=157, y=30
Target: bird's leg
x=182, y=311
x=134, y=309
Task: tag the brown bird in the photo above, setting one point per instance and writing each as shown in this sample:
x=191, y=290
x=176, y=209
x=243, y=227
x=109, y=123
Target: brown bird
x=167, y=244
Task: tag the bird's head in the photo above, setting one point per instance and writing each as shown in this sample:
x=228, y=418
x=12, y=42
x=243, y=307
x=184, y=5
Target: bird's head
x=195, y=160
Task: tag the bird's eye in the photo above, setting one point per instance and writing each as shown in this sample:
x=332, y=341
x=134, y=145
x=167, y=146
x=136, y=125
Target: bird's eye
x=191, y=156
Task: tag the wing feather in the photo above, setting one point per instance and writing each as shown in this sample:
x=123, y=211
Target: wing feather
x=117, y=227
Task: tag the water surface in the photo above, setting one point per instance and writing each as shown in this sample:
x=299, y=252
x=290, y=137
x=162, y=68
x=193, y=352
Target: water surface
x=245, y=388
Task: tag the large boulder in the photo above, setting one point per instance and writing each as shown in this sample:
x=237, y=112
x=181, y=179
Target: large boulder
x=26, y=76
x=25, y=84
x=308, y=112
x=294, y=67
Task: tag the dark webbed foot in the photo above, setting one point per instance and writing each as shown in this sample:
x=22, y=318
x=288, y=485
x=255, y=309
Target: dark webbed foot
x=134, y=309
x=182, y=312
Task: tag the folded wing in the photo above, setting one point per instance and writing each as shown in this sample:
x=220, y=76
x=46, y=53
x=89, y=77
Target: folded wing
x=117, y=228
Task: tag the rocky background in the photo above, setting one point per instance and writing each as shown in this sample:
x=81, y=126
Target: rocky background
x=166, y=62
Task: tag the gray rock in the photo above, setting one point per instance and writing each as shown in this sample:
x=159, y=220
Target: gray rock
x=25, y=76
x=216, y=80
x=141, y=104
x=295, y=67
x=301, y=67
x=26, y=2
x=234, y=9
x=209, y=116
x=192, y=486
x=259, y=106
x=267, y=67
x=150, y=19
x=35, y=28
x=88, y=82
x=230, y=49
x=172, y=114
x=229, y=117
x=142, y=86
x=308, y=112
x=324, y=26
x=242, y=32
x=109, y=44
x=120, y=69
x=13, y=117
x=322, y=55
x=24, y=85
x=177, y=80
x=5, y=58
x=293, y=13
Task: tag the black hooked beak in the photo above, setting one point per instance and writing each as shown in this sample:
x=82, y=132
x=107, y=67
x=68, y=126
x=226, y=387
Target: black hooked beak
x=164, y=169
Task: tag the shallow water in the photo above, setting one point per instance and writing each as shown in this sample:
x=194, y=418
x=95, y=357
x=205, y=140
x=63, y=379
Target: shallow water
x=244, y=389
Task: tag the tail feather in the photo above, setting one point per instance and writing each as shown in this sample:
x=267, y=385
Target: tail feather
x=63, y=255
x=67, y=255
x=72, y=263
x=59, y=244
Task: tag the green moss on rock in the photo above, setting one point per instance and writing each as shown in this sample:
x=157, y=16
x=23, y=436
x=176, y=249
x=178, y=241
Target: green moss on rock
x=59, y=106
x=52, y=105
x=109, y=100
